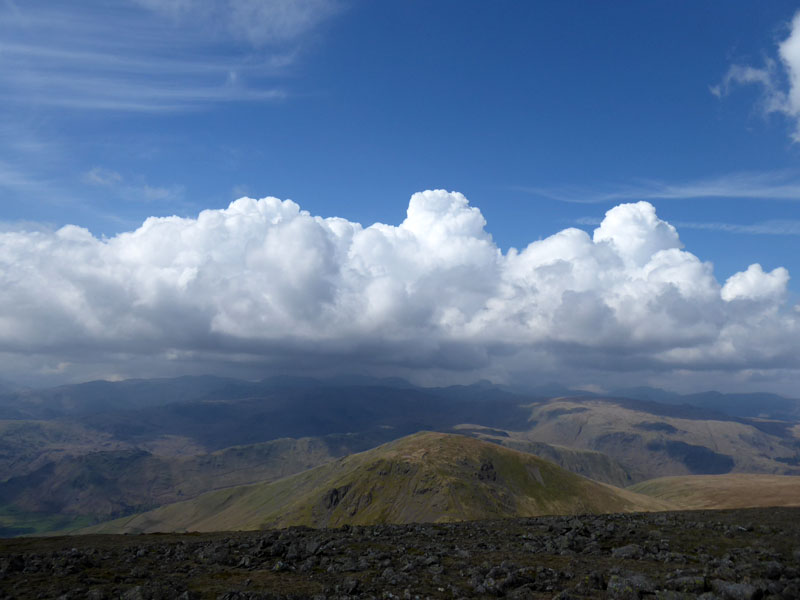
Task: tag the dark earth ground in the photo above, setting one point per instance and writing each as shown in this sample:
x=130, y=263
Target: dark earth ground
x=740, y=554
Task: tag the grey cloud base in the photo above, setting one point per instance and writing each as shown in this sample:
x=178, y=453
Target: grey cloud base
x=262, y=287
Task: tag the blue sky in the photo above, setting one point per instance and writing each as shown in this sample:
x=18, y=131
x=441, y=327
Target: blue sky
x=520, y=106
x=544, y=115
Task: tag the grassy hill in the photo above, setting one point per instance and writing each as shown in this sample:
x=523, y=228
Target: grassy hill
x=98, y=486
x=737, y=490
x=425, y=477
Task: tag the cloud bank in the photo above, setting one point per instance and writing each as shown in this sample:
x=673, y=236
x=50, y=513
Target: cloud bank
x=263, y=286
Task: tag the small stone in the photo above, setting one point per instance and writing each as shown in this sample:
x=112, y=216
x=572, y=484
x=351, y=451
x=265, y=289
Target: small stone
x=620, y=588
x=734, y=591
x=691, y=584
x=135, y=593
x=773, y=569
x=630, y=587
x=350, y=586
x=280, y=566
x=673, y=595
x=629, y=551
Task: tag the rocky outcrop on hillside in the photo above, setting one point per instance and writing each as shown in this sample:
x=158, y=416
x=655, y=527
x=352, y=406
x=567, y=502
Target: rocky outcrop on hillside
x=725, y=555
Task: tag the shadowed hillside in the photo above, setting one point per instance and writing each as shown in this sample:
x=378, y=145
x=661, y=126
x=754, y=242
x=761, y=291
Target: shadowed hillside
x=589, y=463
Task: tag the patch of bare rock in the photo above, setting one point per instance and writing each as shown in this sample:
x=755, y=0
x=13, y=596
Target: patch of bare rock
x=712, y=555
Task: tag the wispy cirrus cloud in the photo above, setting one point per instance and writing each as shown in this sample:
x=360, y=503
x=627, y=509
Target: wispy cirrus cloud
x=150, y=55
x=14, y=179
x=137, y=190
x=771, y=227
x=772, y=185
x=259, y=22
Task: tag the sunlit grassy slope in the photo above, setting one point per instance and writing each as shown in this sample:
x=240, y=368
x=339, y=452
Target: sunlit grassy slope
x=426, y=477
x=723, y=491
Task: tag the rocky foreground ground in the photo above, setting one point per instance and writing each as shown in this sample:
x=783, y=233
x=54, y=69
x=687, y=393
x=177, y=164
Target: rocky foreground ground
x=743, y=554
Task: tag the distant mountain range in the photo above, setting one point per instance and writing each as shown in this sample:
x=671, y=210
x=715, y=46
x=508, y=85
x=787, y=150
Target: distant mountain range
x=760, y=404
x=106, y=396
x=100, y=450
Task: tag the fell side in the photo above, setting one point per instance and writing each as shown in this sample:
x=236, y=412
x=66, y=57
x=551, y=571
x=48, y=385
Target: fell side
x=736, y=490
x=425, y=477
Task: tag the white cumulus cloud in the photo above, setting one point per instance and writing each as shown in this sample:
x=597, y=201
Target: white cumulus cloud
x=755, y=284
x=263, y=286
x=779, y=80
